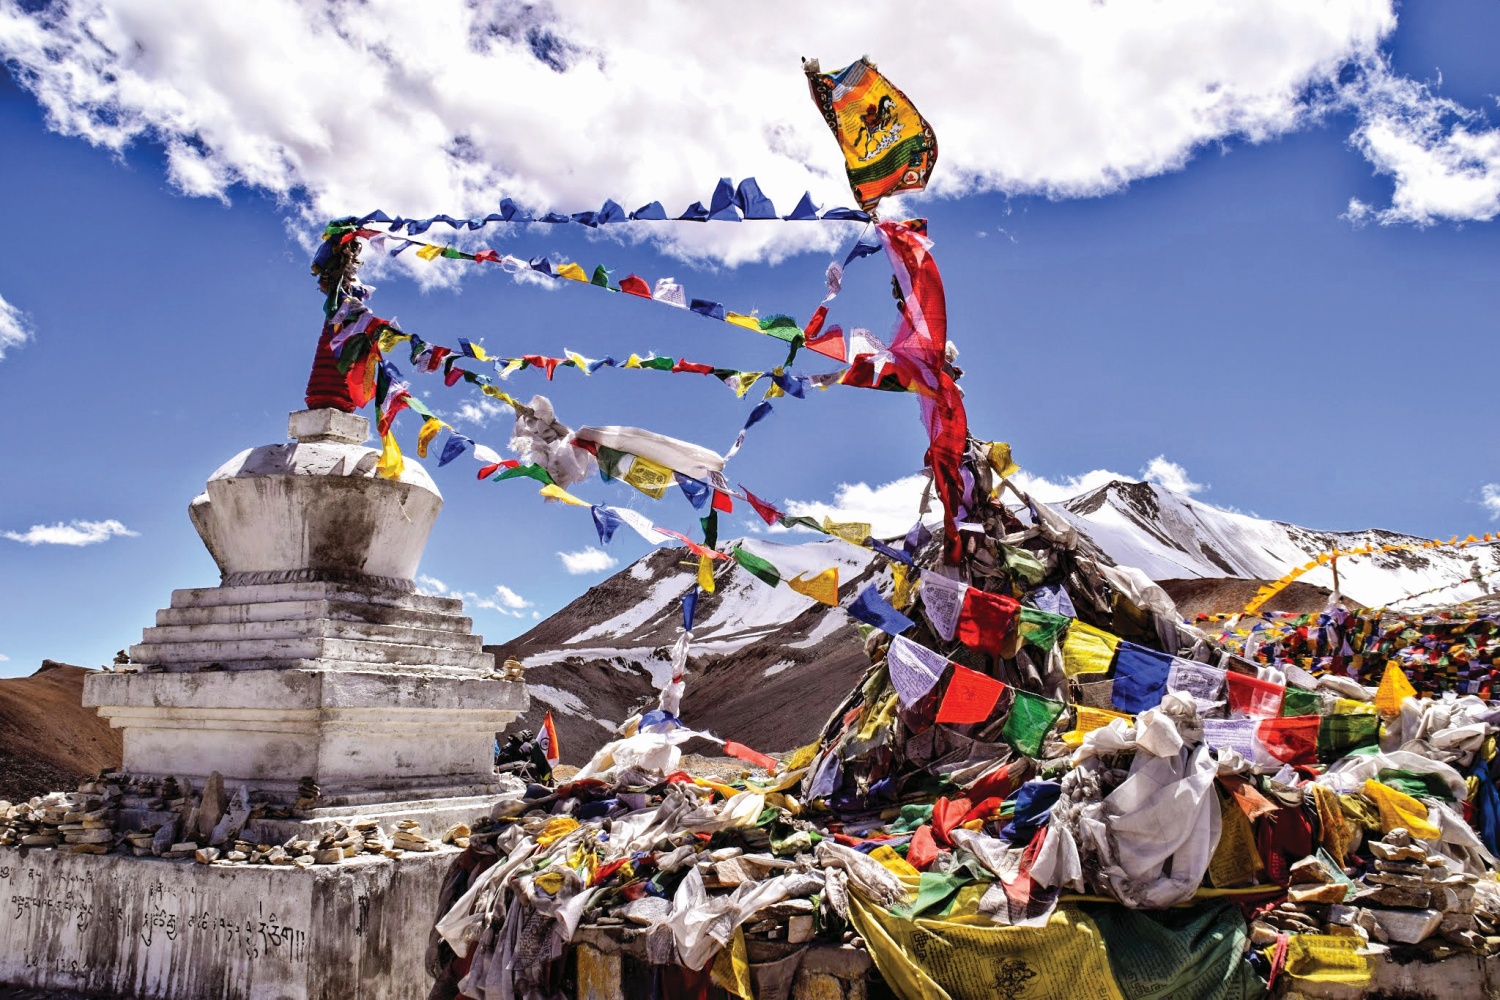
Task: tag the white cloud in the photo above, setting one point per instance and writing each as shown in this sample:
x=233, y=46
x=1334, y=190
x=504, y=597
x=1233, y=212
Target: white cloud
x=587, y=560
x=72, y=533
x=1489, y=497
x=481, y=411
x=504, y=600
x=891, y=508
x=4, y=658
x=446, y=105
x=1171, y=475
x=1443, y=158
x=14, y=330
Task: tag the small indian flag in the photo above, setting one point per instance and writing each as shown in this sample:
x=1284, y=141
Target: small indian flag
x=548, y=739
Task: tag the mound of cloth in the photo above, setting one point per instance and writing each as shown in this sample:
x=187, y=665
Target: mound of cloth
x=1046, y=785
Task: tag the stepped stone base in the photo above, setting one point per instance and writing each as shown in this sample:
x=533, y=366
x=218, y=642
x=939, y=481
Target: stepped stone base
x=117, y=926
x=379, y=696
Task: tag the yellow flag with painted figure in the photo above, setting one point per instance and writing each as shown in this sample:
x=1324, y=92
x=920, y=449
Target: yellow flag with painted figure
x=822, y=587
x=854, y=532
x=648, y=477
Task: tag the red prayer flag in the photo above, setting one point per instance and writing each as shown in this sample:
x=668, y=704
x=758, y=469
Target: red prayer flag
x=692, y=546
x=971, y=696
x=487, y=255
x=1250, y=696
x=744, y=753
x=723, y=502
x=946, y=814
x=633, y=284
x=395, y=405
x=361, y=379
x=984, y=620
x=830, y=344
x=1291, y=740
x=435, y=357
x=549, y=364
x=684, y=365
x=767, y=513
x=922, y=851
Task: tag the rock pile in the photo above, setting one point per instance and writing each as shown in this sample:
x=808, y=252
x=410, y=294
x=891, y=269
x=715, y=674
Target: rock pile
x=167, y=819
x=1408, y=897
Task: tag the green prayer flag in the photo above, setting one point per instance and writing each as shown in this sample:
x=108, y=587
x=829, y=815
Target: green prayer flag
x=354, y=348
x=757, y=567
x=780, y=327
x=601, y=277
x=786, y=521
x=456, y=253
x=1031, y=719
x=609, y=463
x=1023, y=564
x=935, y=892
x=1339, y=735
x=1042, y=628
x=711, y=529
x=659, y=364
x=536, y=472
x=1300, y=702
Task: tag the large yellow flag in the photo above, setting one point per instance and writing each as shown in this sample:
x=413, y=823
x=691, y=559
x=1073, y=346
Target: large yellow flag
x=823, y=588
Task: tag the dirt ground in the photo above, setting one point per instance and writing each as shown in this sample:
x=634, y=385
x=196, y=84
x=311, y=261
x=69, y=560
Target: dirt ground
x=48, y=740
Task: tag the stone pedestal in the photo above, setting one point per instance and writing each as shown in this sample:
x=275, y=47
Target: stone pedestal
x=315, y=659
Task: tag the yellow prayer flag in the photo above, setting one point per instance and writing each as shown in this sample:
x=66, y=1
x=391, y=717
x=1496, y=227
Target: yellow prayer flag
x=573, y=272
x=579, y=361
x=774, y=392
x=740, y=319
x=1348, y=706
x=391, y=464
x=495, y=392
x=1327, y=958
x=823, y=588
x=706, y=573
x=555, y=492
x=389, y=338
x=901, y=581
x=895, y=863
x=731, y=970
x=1000, y=460
x=648, y=477
x=513, y=365
x=742, y=382
x=479, y=354
x=1090, y=719
x=429, y=251
x=634, y=361
x=853, y=532
x=1399, y=809
x=1394, y=689
x=429, y=430
x=1088, y=650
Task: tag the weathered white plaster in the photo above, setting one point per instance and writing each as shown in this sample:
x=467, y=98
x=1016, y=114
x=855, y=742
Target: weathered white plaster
x=124, y=926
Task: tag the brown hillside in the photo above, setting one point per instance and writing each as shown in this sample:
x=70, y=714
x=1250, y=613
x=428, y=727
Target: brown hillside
x=48, y=740
x=1215, y=595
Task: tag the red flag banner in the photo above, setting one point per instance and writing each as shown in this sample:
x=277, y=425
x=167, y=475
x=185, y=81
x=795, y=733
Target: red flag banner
x=971, y=696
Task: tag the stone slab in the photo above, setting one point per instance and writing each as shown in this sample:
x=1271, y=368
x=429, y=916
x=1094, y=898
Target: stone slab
x=387, y=654
x=120, y=926
x=303, y=628
x=339, y=610
x=312, y=426
x=313, y=590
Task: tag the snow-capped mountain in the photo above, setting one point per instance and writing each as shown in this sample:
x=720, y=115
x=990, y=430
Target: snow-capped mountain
x=1170, y=536
x=769, y=665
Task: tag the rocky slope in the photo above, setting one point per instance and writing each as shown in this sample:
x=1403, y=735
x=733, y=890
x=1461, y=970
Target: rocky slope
x=48, y=740
x=769, y=665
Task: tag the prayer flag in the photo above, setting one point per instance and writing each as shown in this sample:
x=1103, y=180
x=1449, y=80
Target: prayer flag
x=742, y=752
x=1340, y=735
x=971, y=696
x=1394, y=689
x=1031, y=719
x=984, y=619
x=573, y=272
x=554, y=492
x=872, y=609
x=1041, y=628
x=853, y=532
x=887, y=145
x=692, y=546
x=648, y=477
x=605, y=522
x=706, y=574
x=757, y=567
x=822, y=587
x=452, y=448
x=1140, y=677
x=391, y=464
x=1290, y=740
x=689, y=608
x=430, y=428
x=1088, y=650
x=533, y=471
x=633, y=284
x=942, y=599
x=767, y=513
x=1203, y=683
x=913, y=669
x=429, y=251
x=696, y=492
x=1252, y=698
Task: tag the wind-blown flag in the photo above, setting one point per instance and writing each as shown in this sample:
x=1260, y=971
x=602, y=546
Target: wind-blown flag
x=548, y=738
x=887, y=144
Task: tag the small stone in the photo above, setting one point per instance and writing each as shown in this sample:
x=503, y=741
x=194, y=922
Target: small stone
x=1390, y=895
x=456, y=832
x=1390, y=852
x=303, y=861
x=206, y=855
x=799, y=929
x=237, y=856
x=1332, y=892
x=1262, y=934
x=1311, y=870
x=1407, y=926
x=90, y=849
x=1397, y=836
x=328, y=856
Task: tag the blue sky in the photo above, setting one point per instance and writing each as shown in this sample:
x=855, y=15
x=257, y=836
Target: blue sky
x=1287, y=308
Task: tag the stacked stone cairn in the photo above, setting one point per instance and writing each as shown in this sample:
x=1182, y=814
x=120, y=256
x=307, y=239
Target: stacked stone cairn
x=167, y=819
x=1408, y=898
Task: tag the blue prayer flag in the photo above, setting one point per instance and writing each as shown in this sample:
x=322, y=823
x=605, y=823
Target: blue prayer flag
x=872, y=609
x=1140, y=677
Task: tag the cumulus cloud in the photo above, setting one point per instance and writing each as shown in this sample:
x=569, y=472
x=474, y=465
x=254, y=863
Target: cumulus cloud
x=14, y=330
x=446, y=105
x=587, y=560
x=891, y=508
x=481, y=411
x=1171, y=475
x=4, y=658
x=1489, y=498
x=504, y=600
x=1444, y=158
x=72, y=533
